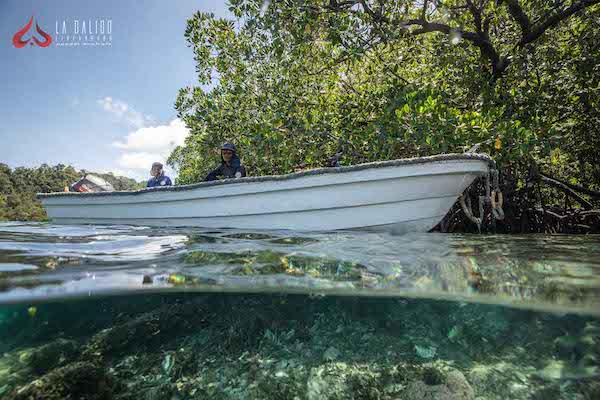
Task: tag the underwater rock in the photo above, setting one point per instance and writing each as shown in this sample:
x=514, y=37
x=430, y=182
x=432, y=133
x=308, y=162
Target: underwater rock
x=402, y=382
x=336, y=381
x=327, y=382
x=11, y=373
x=560, y=370
x=146, y=330
x=80, y=380
x=454, y=387
x=504, y=380
x=366, y=385
x=280, y=384
x=49, y=356
x=21, y=366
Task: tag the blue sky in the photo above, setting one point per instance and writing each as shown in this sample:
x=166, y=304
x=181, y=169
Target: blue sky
x=104, y=108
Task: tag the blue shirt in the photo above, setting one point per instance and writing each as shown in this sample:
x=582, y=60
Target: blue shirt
x=161, y=180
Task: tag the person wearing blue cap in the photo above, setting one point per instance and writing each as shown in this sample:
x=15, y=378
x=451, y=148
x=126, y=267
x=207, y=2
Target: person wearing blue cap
x=231, y=165
x=158, y=176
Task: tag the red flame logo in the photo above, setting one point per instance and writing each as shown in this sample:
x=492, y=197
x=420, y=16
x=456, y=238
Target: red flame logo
x=18, y=41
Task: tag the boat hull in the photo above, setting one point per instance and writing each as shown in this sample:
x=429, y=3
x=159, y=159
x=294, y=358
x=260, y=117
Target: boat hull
x=402, y=197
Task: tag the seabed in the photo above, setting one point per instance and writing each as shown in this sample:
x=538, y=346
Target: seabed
x=265, y=346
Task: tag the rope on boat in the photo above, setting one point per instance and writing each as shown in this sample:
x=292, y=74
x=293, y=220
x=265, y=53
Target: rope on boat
x=497, y=199
x=493, y=198
x=465, y=203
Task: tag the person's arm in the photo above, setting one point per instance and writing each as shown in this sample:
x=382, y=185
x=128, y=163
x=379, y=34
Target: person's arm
x=168, y=182
x=212, y=175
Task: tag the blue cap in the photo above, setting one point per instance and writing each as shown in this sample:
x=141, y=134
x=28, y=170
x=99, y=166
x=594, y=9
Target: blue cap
x=228, y=146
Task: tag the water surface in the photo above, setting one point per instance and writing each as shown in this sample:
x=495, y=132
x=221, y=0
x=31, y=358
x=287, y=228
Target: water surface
x=544, y=272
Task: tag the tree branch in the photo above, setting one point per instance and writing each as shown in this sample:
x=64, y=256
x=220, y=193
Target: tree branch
x=554, y=20
x=480, y=40
x=586, y=204
x=476, y=16
x=517, y=13
x=593, y=193
x=529, y=31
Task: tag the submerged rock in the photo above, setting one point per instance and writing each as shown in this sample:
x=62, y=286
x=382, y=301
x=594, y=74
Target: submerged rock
x=145, y=330
x=80, y=380
x=453, y=386
x=339, y=380
x=560, y=370
x=49, y=356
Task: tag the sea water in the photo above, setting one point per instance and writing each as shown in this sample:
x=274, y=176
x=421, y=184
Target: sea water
x=103, y=312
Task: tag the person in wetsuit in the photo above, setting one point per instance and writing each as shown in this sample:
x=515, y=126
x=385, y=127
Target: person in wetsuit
x=231, y=165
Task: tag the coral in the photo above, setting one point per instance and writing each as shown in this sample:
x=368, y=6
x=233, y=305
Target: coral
x=327, y=382
x=298, y=347
x=79, y=380
x=146, y=330
x=44, y=358
x=455, y=387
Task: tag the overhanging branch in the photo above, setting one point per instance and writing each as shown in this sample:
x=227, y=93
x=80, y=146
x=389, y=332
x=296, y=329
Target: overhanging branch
x=478, y=39
x=554, y=20
x=517, y=13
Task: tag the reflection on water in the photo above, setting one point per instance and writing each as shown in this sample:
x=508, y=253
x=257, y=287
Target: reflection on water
x=557, y=273
x=279, y=315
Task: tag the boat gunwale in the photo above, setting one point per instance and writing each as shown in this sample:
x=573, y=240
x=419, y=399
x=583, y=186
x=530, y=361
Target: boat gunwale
x=269, y=178
x=303, y=210
x=253, y=193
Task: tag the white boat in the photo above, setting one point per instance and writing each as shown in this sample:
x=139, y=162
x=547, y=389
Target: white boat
x=405, y=195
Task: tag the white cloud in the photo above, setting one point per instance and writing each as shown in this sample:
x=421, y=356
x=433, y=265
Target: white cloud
x=124, y=112
x=138, y=160
x=146, y=145
x=156, y=138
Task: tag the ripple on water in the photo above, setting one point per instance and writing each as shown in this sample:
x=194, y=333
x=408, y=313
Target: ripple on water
x=556, y=273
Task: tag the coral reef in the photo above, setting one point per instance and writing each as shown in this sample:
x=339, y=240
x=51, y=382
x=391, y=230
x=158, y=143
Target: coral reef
x=74, y=381
x=219, y=346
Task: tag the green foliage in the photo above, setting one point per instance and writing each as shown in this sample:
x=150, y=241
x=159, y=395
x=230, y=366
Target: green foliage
x=294, y=83
x=18, y=188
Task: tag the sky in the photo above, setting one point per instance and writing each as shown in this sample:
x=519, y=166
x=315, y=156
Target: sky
x=82, y=102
